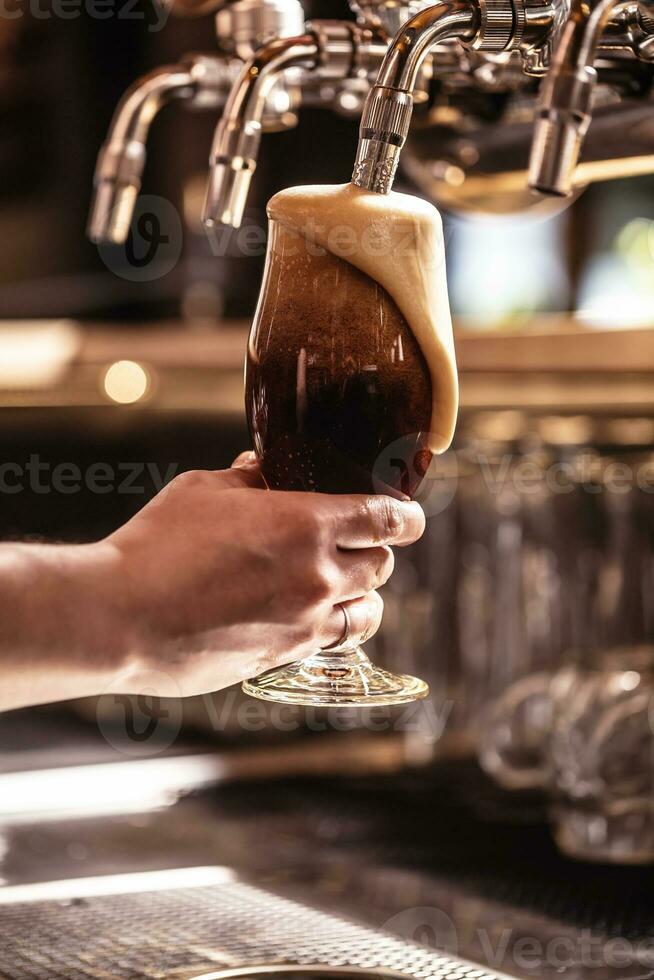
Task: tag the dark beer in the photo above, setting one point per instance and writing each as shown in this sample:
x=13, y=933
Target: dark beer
x=338, y=392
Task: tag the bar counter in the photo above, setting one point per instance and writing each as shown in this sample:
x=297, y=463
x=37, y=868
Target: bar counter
x=436, y=857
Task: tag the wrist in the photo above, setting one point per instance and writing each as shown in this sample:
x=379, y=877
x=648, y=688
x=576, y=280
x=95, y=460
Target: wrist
x=65, y=628
x=96, y=588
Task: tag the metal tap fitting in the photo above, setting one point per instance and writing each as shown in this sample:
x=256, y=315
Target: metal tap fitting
x=200, y=80
x=328, y=49
x=485, y=25
x=565, y=103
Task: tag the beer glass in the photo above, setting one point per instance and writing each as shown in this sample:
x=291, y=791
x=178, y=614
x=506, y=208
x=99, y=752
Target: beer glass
x=338, y=400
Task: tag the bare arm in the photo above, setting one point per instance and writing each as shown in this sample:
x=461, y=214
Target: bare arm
x=61, y=626
x=213, y=581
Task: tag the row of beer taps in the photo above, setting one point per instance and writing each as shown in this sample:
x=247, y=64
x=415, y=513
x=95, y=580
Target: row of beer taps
x=270, y=62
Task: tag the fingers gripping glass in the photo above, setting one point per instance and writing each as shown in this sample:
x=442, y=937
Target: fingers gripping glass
x=334, y=377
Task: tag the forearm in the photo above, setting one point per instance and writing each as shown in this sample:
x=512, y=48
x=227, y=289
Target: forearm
x=62, y=623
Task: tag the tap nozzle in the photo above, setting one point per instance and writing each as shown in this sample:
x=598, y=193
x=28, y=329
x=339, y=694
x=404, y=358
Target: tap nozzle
x=565, y=102
x=238, y=134
x=121, y=160
x=330, y=49
x=488, y=25
x=559, y=131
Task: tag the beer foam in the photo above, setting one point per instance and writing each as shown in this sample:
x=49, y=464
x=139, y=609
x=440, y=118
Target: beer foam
x=396, y=240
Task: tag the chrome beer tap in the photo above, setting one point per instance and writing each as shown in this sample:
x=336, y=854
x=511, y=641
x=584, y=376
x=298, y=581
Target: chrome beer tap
x=327, y=50
x=456, y=56
x=480, y=25
x=566, y=95
x=201, y=80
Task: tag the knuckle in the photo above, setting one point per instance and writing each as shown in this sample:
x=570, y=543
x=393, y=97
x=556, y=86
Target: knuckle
x=317, y=585
x=190, y=479
x=306, y=526
x=387, y=518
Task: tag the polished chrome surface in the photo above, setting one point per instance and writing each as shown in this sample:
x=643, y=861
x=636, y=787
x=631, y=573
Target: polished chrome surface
x=488, y=26
x=141, y=928
x=236, y=142
x=542, y=56
x=387, y=112
x=328, y=51
x=202, y=80
x=438, y=851
x=469, y=165
x=566, y=99
x=313, y=972
x=243, y=26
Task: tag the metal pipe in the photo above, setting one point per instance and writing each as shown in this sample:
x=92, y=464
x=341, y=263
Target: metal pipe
x=238, y=134
x=387, y=112
x=121, y=160
x=565, y=103
x=200, y=79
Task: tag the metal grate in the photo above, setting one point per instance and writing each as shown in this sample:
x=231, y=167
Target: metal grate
x=182, y=932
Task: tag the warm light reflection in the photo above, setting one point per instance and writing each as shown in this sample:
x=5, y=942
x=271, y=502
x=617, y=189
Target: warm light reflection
x=103, y=789
x=36, y=354
x=124, y=884
x=126, y=382
x=630, y=680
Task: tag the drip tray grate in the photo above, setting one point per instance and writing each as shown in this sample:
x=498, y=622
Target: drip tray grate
x=176, y=925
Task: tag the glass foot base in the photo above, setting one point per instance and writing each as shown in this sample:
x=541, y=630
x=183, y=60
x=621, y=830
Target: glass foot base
x=336, y=678
x=621, y=832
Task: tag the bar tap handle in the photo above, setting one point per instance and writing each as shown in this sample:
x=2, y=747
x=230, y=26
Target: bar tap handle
x=200, y=80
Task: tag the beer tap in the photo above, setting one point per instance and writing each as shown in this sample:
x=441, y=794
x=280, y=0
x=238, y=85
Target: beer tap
x=201, y=80
x=565, y=103
x=328, y=50
x=493, y=64
x=482, y=25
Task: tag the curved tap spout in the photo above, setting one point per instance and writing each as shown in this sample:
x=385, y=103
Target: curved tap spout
x=330, y=50
x=238, y=134
x=387, y=112
x=566, y=98
x=121, y=160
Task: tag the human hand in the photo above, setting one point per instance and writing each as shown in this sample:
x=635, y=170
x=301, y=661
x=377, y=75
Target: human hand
x=220, y=579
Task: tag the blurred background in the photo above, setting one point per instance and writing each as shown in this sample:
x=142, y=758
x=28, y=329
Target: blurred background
x=62, y=79
x=528, y=605
x=120, y=370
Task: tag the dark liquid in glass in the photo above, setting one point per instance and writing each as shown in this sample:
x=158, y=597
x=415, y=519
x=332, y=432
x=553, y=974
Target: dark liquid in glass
x=338, y=392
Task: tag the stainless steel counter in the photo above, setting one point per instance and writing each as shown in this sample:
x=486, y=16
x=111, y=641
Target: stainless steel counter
x=439, y=858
